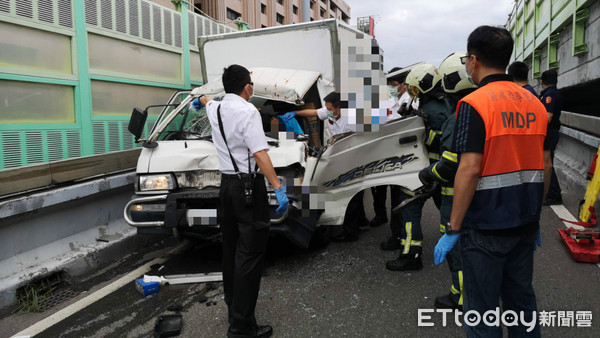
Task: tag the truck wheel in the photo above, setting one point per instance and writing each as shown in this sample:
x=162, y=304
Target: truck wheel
x=321, y=237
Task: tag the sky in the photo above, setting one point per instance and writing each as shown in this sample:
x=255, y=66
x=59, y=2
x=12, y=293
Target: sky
x=410, y=31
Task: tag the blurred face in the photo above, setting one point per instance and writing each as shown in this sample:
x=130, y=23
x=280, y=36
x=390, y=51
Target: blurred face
x=336, y=111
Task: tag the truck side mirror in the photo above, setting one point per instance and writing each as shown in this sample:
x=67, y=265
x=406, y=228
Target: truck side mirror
x=137, y=122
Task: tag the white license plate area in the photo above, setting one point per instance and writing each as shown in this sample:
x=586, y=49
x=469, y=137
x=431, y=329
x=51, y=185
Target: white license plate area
x=201, y=217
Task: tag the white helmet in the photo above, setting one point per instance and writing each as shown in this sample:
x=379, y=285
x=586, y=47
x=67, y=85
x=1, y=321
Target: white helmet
x=454, y=74
x=422, y=79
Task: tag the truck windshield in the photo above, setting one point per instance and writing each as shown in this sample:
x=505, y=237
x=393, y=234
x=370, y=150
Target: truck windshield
x=189, y=124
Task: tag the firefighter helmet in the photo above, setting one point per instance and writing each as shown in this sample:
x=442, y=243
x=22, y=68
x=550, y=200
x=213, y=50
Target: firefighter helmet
x=454, y=74
x=422, y=79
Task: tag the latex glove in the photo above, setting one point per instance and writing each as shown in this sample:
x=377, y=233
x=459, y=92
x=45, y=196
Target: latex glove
x=196, y=104
x=538, y=240
x=444, y=245
x=282, y=200
x=288, y=116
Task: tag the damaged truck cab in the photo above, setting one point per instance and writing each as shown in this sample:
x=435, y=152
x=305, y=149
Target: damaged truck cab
x=177, y=183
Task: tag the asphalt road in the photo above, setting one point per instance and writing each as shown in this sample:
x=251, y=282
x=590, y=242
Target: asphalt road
x=341, y=290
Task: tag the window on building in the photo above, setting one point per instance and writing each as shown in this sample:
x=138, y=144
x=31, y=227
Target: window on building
x=263, y=26
x=295, y=10
x=332, y=6
x=322, y=13
x=330, y=16
x=279, y=18
x=280, y=2
x=312, y=5
x=263, y=8
x=232, y=15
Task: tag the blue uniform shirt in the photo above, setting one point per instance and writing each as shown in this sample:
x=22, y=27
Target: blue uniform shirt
x=552, y=100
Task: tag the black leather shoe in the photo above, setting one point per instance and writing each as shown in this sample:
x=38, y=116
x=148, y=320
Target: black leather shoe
x=552, y=201
x=391, y=244
x=405, y=262
x=260, y=331
x=375, y=222
x=344, y=238
x=446, y=302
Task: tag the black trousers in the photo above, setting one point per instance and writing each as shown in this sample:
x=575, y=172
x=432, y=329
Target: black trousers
x=245, y=232
x=554, y=191
x=379, y=196
x=379, y=205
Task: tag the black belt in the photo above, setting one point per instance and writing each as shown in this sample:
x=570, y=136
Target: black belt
x=241, y=176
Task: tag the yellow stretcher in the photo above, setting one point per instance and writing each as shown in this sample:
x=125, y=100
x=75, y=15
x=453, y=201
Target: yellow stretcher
x=591, y=193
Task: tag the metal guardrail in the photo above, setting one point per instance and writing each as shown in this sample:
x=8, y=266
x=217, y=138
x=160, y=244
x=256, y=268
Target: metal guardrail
x=43, y=175
x=586, y=123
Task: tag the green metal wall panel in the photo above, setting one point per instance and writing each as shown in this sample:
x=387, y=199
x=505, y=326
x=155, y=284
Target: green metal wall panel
x=71, y=27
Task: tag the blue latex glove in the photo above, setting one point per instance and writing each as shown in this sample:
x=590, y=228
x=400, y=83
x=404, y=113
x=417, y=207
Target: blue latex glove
x=282, y=200
x=288, y=116
x=196, y=104
x=538, y=240
x=444, y=245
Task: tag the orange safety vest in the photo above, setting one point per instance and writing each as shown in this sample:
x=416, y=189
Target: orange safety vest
x=511, y=183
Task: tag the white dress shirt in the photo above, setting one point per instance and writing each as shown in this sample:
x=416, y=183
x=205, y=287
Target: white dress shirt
x=338, y=126
x=243, y=128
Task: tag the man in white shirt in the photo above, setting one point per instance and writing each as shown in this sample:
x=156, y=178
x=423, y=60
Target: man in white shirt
x=243, y=204
x=331, y=112
x=355, y=211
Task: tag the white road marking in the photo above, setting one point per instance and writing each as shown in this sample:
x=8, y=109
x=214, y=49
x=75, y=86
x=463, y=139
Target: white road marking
x=563, y=213
x=94, y=297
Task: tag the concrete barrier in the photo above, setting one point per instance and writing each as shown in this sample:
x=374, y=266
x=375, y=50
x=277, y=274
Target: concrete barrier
x=61, y=229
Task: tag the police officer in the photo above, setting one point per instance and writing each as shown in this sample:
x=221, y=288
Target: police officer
x=519, y=71
x=424, y=83
x=552, y=100
x=456, y=84
x=243, y=206
x=498, y=187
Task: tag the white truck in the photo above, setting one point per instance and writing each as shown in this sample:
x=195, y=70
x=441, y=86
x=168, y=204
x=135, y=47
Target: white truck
x=292, y=67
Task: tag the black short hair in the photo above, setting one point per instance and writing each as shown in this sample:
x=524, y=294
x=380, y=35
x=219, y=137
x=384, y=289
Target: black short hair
x=550, y=77
x=518, y=70
x=235, y=78
x=493, y=46
x=333, y=98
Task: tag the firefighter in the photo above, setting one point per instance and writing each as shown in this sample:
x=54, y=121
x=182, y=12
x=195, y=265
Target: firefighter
x=423, y=83
x=456, y=84
x=498, y=187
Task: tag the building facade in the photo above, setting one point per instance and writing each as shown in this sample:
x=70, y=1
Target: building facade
x=269, y=13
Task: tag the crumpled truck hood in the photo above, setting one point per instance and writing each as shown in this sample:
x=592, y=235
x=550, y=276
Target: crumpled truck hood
x=179, y=156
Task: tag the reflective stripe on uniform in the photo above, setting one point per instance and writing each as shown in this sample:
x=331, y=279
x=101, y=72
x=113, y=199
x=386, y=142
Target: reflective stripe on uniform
x=460, y=281
x=510, y=179
x=450, y=156
x=407, y=191
x=442, y=228
x=453, y=290
x=434, y=156
x=412, y=243
x=434, y=170
x=408, y=228
x=447, y=191
x=431, y=136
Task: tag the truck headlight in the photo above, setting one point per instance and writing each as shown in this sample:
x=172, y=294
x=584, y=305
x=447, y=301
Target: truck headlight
x=157, y=182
